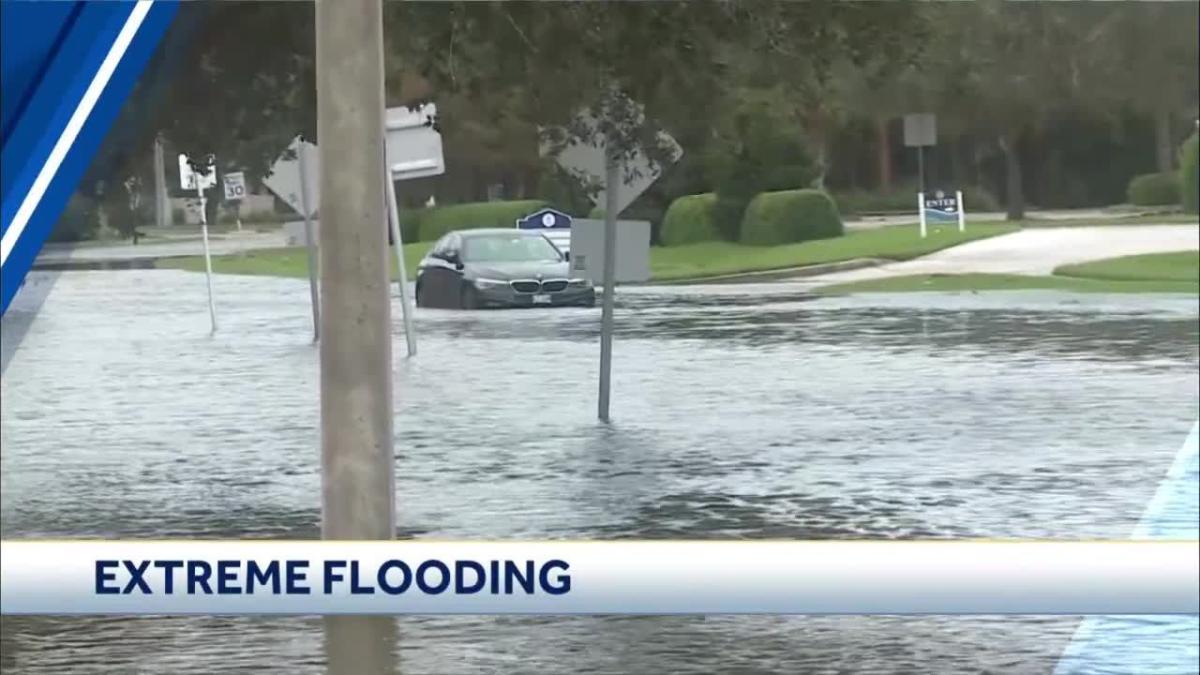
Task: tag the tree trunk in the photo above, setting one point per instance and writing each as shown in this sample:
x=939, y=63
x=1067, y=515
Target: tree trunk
x=1162, y=141
x=1014, y=192
x=884, y=153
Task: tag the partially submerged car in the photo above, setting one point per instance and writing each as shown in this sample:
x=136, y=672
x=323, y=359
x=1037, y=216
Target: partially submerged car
x=475, y=269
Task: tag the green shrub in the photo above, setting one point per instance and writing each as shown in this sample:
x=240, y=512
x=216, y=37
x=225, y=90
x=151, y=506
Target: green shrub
x=1154, y=189
x=756, y=150
x=690, y=219
x=435, y=222
x=790, y=216
x=78, y=221
x=1189, y=173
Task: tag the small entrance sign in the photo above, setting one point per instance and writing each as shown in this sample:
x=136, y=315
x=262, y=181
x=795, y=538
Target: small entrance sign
x=941, y=207
x=545, y=219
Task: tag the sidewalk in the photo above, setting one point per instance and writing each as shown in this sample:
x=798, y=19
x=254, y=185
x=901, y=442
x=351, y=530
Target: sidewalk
x=180, y=243
x=1035, y=251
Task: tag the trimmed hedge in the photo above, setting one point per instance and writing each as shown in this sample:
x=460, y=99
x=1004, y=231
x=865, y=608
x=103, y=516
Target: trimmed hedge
x=433, y=223
x=1153, y=189
x=790, y=216
x=690, y=219
x=1189, y=173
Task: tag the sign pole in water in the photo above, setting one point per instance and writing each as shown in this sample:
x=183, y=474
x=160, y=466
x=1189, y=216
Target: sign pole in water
x=612, y=185
x=410, y=331
x=188, y=180
x=212, y=308
x=412, y=149
x=310, y=243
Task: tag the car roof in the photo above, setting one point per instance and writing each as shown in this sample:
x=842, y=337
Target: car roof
x=493, y=231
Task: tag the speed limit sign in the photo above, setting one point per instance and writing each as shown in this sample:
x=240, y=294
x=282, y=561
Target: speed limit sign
x=235, y=186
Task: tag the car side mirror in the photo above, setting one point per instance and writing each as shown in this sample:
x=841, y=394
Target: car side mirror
x=567, y=256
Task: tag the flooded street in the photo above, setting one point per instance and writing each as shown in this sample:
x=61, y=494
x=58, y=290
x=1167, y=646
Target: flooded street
x=739, y=412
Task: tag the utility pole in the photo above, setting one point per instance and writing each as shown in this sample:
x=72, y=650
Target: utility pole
x=357, y=466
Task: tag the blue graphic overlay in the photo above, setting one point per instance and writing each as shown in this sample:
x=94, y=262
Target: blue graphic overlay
x=67, y=69
x=1149, y=645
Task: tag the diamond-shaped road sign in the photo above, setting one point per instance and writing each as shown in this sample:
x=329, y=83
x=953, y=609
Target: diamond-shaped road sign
x=584, y=158
x=284, y=180
x=414, y=150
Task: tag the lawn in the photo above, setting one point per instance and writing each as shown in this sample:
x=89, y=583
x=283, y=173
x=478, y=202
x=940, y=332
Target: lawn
x=1177, y=272
x=280, y=262
x=667, y=263
x=1180, y=266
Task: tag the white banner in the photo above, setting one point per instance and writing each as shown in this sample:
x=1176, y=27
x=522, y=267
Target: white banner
x=612, y=577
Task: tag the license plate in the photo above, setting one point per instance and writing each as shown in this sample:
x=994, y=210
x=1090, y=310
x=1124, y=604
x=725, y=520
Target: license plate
x=541, y=299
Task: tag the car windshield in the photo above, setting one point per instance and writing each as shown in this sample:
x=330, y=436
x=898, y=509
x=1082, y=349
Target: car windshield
x=509, y=248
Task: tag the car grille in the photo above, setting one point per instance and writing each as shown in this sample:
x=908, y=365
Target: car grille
x=532, y=286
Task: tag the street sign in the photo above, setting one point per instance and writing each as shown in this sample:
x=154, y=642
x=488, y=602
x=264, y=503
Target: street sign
x=920, y=129
x=187, y=177
x=285, y=179
x=414, y=145
x=545, y=219
x=235, y=186
x=584, y=158
x=632, y=260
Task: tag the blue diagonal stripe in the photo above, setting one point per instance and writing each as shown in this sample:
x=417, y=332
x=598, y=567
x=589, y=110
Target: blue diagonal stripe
x=1149, y=645
x=71, y=75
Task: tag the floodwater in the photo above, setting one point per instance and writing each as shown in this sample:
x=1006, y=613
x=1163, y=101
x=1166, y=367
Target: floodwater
x=740, y=412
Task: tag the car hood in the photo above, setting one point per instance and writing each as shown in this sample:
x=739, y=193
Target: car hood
x=520, y=270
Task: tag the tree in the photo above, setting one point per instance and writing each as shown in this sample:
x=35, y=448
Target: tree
x=1152, y=65
x=1006, y=69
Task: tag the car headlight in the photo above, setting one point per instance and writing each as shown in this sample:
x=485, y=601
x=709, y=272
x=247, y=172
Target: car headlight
x=489, y=283
x=579, y=283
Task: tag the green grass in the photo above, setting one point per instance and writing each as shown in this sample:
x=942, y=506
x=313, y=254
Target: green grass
x=673, y=263
x=1177, y=272
x=714, y=258
x=281, y=262
x=1006, y=282
x=1181, y=266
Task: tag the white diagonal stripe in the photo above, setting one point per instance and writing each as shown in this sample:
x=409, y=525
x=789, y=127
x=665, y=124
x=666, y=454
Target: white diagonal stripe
x=34, y=197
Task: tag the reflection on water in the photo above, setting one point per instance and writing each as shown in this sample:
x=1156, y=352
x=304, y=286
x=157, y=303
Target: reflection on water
x=741, y=412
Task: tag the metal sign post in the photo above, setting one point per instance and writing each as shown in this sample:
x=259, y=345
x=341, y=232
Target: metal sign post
x=212, y=307
x=310, y=243
x=410, y=331
x=612, y=185
x=412, y=149
x=189, y=179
